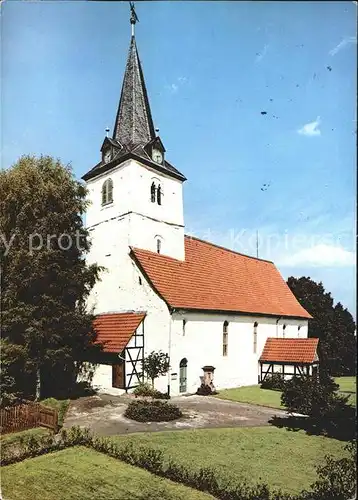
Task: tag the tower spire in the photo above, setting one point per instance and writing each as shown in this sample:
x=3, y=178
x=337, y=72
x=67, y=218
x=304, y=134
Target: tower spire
x=134, y=17
x=134, y=123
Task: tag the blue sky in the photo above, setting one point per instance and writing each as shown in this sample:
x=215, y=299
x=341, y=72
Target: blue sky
x=212, y=69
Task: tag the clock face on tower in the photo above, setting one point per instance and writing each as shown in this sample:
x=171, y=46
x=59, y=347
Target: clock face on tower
x=157, y=156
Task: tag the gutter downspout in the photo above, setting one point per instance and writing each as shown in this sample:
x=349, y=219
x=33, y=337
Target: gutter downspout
x=169, y=347
x=278, y=319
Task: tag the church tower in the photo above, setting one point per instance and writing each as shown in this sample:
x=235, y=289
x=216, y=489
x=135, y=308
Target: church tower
x=135, y=193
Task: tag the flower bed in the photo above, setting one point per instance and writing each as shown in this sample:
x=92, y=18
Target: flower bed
x=152, y=411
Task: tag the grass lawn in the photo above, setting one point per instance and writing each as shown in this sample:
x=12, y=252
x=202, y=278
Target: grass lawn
x=348, y=386
x=252, y=394
x=61, y=405
x=14, y=437
x=281, y=458
x=255, y=395
x=80, y=474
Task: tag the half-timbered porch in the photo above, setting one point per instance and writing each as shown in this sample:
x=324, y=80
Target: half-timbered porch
x=289, y=357
x=119, y=365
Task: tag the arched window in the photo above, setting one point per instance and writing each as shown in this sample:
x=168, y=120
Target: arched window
x=159, y=245
x=225, y=338
x=107, y=192
x=159, y=195
x=152, y=192
x=255, y=336
x=283, y=331
x=298, y=330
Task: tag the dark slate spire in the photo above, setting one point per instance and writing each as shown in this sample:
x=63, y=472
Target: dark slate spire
x=134, y=123
x=134, y=135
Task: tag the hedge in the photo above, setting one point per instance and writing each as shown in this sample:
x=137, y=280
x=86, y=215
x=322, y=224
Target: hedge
x=204, y=479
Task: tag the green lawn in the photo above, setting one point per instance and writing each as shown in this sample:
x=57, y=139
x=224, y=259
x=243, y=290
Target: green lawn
x=255, y=395
x=14, y=437
x=252, y=394
x=83, y=474
x=281, y=458
x=61, y=405
x=348, y=386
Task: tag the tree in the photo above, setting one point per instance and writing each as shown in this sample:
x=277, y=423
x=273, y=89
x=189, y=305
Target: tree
x=332, y=324
x=12, y=363
x=44, y=276
x=155, y=364
x=327, y=410
x=311, y=396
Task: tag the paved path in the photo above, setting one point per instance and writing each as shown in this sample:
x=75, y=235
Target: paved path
x=103, y=414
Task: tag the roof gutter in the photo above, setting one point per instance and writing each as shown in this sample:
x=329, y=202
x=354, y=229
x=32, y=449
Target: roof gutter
x=242, y=313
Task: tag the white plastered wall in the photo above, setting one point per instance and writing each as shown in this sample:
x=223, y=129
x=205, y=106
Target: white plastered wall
x=132, y=203
x=202, y=345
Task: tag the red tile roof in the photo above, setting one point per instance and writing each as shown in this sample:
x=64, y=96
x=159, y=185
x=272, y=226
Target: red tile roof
x=215, y=278
x=114, y=330
x=290, y=350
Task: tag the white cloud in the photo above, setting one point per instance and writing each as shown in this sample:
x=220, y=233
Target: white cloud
x=175, y=86
x=320, y=256
x=346, y=41
x=311, y=128
x=262, y=54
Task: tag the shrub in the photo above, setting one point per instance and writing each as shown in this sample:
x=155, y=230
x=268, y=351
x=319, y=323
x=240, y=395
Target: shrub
x=61, y=405
x=274, y=382
x=152, y=411
x=313, y=397
x=327, y=410
x=205, y=390
x=143, y=389
x=146, y=389
x=337, y=478
x=160, y=395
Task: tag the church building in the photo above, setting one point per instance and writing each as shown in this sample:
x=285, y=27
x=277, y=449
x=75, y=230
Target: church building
x=214, y=312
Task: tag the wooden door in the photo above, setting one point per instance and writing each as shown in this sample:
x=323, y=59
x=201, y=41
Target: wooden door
x=118, y=376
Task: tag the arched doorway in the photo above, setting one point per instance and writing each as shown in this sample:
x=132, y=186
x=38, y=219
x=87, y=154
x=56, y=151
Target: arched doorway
x=182, y=375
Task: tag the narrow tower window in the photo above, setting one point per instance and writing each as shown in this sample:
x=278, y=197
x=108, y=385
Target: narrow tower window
x=298, y=330
x=159, y=245
x=255, y=337
x=184, y=325
x=152, y=192
x=225, y=338
x=107, y=192
x=283, y=331
x=159, y=195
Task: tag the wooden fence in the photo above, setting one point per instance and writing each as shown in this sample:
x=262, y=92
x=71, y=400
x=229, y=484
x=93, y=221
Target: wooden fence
x=27, y=416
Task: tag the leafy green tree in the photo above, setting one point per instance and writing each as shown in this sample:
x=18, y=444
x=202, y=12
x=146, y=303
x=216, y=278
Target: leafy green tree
x=311, y=396
x=332, y=324
x=156, y=364
x=12, y=364
x=45, y=279
x=328, y=412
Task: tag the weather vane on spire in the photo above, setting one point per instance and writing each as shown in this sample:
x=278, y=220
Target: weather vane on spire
x=134, y=17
